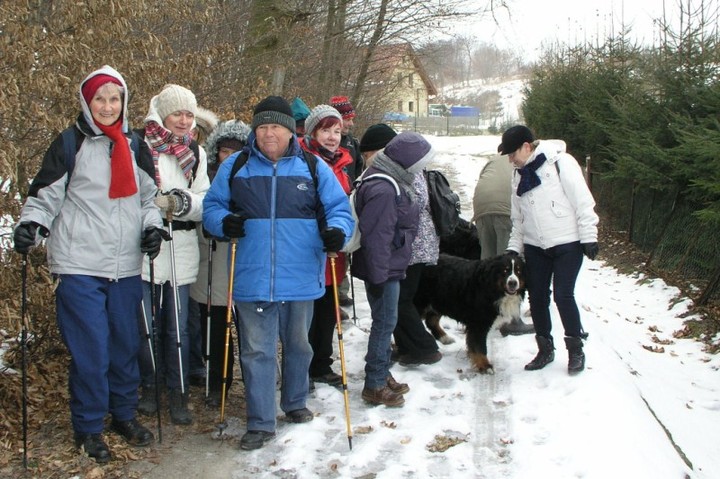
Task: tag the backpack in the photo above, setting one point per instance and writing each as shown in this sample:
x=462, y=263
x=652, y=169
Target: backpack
x=444, y=203
x=71, y=146
x=242, y=158
x=353, y=244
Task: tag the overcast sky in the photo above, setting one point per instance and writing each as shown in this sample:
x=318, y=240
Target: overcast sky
x=526, y=25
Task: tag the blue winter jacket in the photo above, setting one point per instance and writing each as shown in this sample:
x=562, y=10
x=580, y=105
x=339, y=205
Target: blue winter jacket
x=281, y=256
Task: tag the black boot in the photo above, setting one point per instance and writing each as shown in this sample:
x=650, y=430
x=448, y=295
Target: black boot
x=545, y=355
x=147, y=405
x=576, y=356
x=179, y=412
x=94, y=446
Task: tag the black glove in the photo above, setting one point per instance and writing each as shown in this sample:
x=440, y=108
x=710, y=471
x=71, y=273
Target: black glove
x=234, y=226
x=151, y=240
x=374, y=289
x=333, y=239
x=24, y=236
x=590, y=249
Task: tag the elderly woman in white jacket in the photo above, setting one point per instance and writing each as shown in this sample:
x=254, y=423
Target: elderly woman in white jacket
x=182, y=180
x=554, y=223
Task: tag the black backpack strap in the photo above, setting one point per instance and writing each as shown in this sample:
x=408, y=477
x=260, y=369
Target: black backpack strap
x=240, y=161
x=72, y=139
x=195, y=147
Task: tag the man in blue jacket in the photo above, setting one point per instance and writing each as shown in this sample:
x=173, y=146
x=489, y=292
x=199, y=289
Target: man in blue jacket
x=285, y=216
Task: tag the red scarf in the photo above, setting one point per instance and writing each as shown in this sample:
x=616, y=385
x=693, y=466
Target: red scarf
x=122, y=176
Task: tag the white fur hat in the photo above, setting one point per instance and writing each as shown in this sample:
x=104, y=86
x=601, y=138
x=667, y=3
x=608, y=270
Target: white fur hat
x=174, y=98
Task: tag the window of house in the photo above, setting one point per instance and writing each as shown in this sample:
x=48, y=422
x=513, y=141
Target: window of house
x=410, y=79
x=411, y=106
x=399, y=78
x=400, y=108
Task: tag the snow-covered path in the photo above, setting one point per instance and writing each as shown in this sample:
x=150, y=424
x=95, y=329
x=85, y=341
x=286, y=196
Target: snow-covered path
x=633, y=413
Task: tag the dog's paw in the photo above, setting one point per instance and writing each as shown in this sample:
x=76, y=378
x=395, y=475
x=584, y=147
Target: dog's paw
x=446, y=339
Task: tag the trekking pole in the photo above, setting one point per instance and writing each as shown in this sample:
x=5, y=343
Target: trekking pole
x=352, y=289
x=176, y=303
x=23, y=353
x=153, y=317
x=228, y=322
x=148, y=335
x=211, y=246
x=338, y=322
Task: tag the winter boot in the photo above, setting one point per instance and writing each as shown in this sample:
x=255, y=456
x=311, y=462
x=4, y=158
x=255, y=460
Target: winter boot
x=179, y=412
x=545, y=355
x=516, y=327
x=576, y=356
x=147, y=405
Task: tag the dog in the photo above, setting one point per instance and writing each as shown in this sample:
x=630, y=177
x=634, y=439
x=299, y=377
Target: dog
x=463, y=242
x=474, y=293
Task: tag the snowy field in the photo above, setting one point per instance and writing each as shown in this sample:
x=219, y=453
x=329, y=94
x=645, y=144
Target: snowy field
x=632, y=413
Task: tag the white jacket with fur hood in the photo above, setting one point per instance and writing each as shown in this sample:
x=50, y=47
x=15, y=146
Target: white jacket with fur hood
x=558, y=211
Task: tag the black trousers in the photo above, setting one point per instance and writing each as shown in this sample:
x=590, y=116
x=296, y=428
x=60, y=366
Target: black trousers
x=410, y=335
x=322, y=330
x=218, y=321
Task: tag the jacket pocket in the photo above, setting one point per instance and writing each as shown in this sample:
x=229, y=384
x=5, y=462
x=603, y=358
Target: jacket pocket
x=560, y=209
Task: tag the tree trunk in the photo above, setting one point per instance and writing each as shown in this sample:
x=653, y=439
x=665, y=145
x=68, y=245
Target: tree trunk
x=367, y=57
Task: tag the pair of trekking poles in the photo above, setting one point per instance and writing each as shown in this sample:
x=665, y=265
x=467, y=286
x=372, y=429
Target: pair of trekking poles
x=338, y=323
x=153, y=341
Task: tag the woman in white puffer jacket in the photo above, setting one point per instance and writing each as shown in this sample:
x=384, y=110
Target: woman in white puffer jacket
x=554, y=223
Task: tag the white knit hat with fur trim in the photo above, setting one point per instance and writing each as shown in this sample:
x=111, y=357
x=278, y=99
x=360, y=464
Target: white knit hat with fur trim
x=174, y=98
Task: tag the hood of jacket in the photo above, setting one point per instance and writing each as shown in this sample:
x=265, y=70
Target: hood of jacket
x=87, y=114
x=233, y=129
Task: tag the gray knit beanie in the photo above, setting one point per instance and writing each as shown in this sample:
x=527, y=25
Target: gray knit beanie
x=317, y=114
x=174, y=98
x=273, y=110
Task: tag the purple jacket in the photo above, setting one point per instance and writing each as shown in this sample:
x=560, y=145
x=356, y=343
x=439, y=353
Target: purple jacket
x=388, y=226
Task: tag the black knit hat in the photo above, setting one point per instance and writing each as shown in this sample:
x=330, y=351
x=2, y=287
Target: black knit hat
x=273, y=110
x=376, y=137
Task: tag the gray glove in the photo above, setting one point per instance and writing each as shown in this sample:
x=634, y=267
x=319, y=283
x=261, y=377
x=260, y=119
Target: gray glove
x=176, y=202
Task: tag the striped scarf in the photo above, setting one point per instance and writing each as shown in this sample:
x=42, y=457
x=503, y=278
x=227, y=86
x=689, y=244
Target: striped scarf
x=164, y=141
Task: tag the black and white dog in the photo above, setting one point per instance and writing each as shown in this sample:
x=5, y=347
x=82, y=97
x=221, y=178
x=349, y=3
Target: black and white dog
x=474, y=293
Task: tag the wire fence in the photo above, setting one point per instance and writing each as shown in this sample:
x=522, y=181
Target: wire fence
x=662, y=225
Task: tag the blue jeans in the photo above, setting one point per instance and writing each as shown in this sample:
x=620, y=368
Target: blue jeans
x=261, y=324
x=561, y=265
x=384, y=312
x=167, y=329
x=96, y=318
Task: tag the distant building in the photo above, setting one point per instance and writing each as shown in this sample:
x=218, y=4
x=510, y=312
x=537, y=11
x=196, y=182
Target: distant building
x=397, y=82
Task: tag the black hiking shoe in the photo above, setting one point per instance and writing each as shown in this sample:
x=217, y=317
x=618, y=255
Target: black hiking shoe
x=179, y=412
x=133, y=432
x=147, y=405
x=94, y=446
x=255, y=439
x=299, y=416
x=330, y=378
